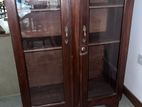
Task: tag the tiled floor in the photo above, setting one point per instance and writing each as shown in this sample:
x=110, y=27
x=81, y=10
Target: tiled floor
x=11, y=101
x=15, y=101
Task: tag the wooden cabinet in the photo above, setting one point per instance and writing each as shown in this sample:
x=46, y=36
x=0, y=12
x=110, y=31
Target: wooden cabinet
x=70, y=53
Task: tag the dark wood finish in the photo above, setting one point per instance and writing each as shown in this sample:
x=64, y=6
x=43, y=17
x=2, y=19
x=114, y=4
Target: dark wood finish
x=82, y=87
x=45, y=10
x=18, y=52
x=99, y=87
x=132, y=98
x=67, y=52
x=106, y=6
x=104, y=43
x=44, y=49
x=46, y=65
x=75, y=53
x=46, y=19
x=53, y=105
x=125, y=35
x=109, y=100
x=54, y=93
x=83, y=57
x=114, y=104
x=126, y=24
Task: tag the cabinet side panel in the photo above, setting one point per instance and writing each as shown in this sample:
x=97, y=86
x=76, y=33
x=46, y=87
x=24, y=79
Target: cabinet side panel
x=18, y=51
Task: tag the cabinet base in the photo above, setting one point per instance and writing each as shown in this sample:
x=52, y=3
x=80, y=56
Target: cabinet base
x=113, y=105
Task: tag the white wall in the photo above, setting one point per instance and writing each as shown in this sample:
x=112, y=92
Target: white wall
x=133, y=77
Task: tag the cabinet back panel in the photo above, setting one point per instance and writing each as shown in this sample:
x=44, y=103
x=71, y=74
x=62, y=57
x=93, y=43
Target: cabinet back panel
x=103, y=62
x=44, y=68
x=41, y=24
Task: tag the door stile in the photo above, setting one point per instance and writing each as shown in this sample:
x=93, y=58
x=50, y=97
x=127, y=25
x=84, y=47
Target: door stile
x=18, y=52
x=67, y=51
x=125, y=36
x=75, y=11
x=84, y=28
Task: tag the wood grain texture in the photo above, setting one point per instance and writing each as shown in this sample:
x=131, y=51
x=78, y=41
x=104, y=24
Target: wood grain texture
x=49, y=94
x=44, y=68
x=68, y=64
x=125, y=35
x=40, y=18
x=18, y=52
x=98, y=20
x=96, y=56
x=41, y=24
x=75, y=12
x=123, y=50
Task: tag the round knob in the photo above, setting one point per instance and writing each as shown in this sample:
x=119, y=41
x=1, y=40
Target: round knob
x=83, y=49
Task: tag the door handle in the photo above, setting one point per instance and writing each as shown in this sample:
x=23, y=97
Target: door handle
x=66, y=35
x=84, y=38
x=83, y=50
x=84, y=31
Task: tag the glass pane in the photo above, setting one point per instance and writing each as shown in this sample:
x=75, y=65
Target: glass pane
x=38, y=19
x=40, y=22
x=45, y=72
x=105, y=25
x=102, y=69
x=105, y=2
x=104, y=39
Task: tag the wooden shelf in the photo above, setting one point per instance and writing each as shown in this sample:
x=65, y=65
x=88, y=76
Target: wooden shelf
x=95, y=6
x=105, y=42
x=45, y=10
x=103, y=38
x=98, y=87
x=42, y=44
x=41, y=10
x=48, y=25
x=47, y=95
x=36, y=34
x=43, y=49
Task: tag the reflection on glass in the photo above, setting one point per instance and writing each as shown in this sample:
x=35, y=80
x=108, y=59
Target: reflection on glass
x=37, y=4
x=38, y=43
x=105, y=2
x=102, y=69
x=105, y=24
x=45, y=72
x=104, y=38
x=40, y=23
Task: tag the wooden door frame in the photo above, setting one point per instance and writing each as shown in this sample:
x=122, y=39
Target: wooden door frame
x=84, y=21
x=124, y=45
x=75, y=7
x=19, y=53
x=125, y=35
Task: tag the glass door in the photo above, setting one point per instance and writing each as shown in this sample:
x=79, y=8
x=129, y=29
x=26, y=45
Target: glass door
x=102, y=44
x=43, y=27
x=104, y=39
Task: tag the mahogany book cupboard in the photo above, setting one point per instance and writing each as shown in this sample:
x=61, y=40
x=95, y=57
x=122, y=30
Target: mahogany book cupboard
x=70, y=53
